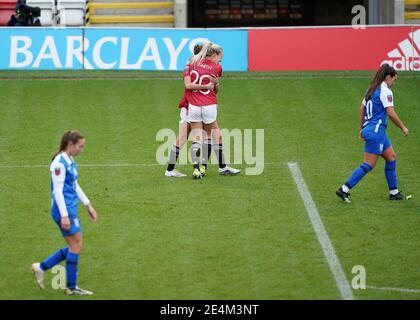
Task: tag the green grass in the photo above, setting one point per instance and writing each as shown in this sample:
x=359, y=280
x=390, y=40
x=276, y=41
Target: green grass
x=243, y=237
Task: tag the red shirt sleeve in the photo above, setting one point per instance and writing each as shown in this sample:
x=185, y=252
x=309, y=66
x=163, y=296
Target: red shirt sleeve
x=183, y=103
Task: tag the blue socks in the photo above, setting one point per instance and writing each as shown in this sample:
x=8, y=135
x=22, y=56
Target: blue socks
x=365, y=168
x=391, y=174
x=71, y=269
x=358, y=175
x=72, y=260
x=54, y=259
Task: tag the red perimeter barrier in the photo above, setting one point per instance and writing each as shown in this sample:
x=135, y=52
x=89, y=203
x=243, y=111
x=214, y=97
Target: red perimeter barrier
x=7, y=8
x=342, y=48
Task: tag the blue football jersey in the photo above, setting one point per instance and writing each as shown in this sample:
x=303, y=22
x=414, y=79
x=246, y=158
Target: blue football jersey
x=375, y=109
x=64, y=167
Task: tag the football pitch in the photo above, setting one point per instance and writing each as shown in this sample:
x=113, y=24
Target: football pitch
x=239, y=237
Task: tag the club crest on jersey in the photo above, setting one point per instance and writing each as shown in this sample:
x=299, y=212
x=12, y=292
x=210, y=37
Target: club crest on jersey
x=389, y=98
x=57, y=171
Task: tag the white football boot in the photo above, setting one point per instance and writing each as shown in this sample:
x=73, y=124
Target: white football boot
x=228, y=171
x=39, y=274
x=77, y=292
x=174, y=173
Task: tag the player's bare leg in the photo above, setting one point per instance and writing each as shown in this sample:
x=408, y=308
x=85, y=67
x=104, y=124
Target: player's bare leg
x=371, y=159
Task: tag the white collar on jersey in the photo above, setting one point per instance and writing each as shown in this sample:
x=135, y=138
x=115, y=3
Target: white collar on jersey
x=67, y=158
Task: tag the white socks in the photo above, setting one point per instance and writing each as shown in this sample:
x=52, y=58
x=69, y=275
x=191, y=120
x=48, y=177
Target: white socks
x=393, y=192
x=345, y=188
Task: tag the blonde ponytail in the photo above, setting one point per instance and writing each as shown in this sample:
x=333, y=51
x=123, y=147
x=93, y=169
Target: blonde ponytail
x=197, y=58
x=207, y=50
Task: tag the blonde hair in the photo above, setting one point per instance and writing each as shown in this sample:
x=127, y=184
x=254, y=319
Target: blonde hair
x=207, y=50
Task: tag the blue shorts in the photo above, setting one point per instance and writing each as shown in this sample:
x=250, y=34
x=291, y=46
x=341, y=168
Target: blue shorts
x=375, y=142
x=74, y=224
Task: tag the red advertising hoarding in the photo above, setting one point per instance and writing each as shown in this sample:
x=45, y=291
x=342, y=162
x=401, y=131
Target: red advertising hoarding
x=335, y=48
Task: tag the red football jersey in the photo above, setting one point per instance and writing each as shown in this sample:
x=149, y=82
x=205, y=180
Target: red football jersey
x=200, y=74
x=184, y=101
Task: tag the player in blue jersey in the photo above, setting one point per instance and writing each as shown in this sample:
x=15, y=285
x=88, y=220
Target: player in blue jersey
x=376, y=107
x=65, y=193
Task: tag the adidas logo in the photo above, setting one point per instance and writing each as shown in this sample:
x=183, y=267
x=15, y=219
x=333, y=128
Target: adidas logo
x=407, y=56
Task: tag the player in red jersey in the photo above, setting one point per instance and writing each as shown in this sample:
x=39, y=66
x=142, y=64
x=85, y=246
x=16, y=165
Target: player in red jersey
x=203, y=69
x=183, y=131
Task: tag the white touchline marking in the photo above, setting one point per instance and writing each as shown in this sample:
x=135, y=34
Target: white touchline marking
x=121, y=165
x=394, y=289
x=172, y=79
x=107, y=165
x=321, y=233
x=98, y=165
x=177, y=79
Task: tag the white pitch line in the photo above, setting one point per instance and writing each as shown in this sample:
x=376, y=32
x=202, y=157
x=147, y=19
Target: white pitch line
x=177, y=79
x=108, y=165
x=23, y=166
x=394, y=289
x=321, y=233
x=98, y=165
x=113, y=165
